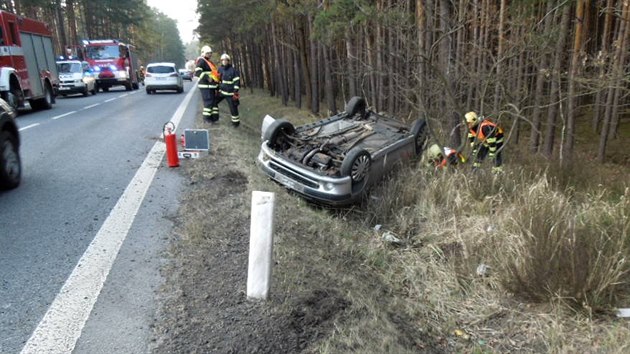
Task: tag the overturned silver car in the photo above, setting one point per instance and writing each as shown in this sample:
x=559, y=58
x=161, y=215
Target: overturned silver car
x=335, y=160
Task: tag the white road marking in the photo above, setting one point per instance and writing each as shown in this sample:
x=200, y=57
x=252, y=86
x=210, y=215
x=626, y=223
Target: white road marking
x=63, y=115
x=123, y=95
x=92, y=106
x=62, y=324
x=29, y=126
x=111, y=99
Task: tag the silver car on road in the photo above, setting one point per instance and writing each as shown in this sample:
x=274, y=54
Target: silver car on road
x=335, y=160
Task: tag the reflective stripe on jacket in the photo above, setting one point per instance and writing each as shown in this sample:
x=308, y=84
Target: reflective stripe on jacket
x=230, y=80
x=207, y=73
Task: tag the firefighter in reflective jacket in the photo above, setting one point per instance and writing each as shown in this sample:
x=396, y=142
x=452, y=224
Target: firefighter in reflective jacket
x=486, y=139
x=228, y=89
x=440, y=159
x=208, y=84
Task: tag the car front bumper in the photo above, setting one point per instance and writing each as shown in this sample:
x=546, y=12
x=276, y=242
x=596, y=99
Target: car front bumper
x=334, y=191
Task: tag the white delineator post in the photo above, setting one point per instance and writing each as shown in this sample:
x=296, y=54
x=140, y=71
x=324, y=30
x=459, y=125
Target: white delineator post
x=260, y=245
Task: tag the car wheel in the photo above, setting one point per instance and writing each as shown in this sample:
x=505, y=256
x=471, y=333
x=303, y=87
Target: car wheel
x=10, y=165
x=94, y=90
x=180, y=90
x=46, y=102
x=105, y=89
x=148, y=92
x=278, y=132
x=420, y=135
x=86, y=92
x=356, y=164
x=356, y=105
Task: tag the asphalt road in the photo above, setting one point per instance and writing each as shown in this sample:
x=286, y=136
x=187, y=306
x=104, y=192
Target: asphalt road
x=78, y=158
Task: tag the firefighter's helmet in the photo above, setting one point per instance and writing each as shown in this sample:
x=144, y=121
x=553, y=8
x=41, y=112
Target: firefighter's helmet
x=471, y=118
x=434, y=153
x=224, y=56
x=206, y=49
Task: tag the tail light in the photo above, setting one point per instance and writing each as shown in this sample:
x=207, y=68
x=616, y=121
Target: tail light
x=174, y=75
x=147, y=75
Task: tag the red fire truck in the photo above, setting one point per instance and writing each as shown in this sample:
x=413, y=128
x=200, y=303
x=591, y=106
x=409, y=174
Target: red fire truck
x=114, y=62
x=27, y=62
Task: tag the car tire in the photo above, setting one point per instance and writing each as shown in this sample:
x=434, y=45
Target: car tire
x=356, y=164
x=94, y=90
x=45, y=102
x=356, y=105
x=420, y=133
x=148, y=92
x=86, y=92
x=105, y=89
x=276, y=134
x=180, y=90
x=10, y=164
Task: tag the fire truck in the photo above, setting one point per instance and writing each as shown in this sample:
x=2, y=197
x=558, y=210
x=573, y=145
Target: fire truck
x=114, y=63
x=28, y=72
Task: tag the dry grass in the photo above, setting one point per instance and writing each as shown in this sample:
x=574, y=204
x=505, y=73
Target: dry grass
x=555, y=242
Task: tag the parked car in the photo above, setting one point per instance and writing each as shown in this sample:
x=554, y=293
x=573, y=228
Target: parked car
x=186, y=74
x=10, y=163
x=76, y=77
x=335, y=160
x=163, y=76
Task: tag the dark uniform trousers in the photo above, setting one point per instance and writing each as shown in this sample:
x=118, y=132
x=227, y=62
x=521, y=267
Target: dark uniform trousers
x=230, y=84
x=208, y=88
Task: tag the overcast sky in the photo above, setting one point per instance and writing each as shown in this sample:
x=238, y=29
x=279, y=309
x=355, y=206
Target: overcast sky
x=182, y=11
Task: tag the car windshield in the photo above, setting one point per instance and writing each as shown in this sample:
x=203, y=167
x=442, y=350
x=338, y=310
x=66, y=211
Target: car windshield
x=161, y=69
x=103, y=52
x=66, y=68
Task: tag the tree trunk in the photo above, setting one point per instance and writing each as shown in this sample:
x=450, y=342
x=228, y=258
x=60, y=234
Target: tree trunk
x=556, y=70
x=500, y=49
x=303, y=53
x=422, y=53
x=602, y=61
x=617, y=73
x=543, y=67
x=313, y=68
x=350, y=58
x=330, y=95
x=277, y=66
x=72, y=22
x=574, y=70
x=61, y=28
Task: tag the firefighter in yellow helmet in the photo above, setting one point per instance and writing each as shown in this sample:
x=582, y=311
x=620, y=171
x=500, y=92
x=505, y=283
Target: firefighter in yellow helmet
x=229, y=86
x=439, y=159
x=208, y=84
x=486, y=139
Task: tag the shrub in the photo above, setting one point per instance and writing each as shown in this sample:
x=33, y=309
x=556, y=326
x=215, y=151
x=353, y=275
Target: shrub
x=559, y=248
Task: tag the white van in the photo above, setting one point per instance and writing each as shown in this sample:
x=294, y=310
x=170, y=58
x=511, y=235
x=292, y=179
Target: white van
x=75, y=77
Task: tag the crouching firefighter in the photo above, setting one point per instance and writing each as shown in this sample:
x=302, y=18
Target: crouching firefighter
x=228, y=89
x=440, y=159
x=208, y=84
